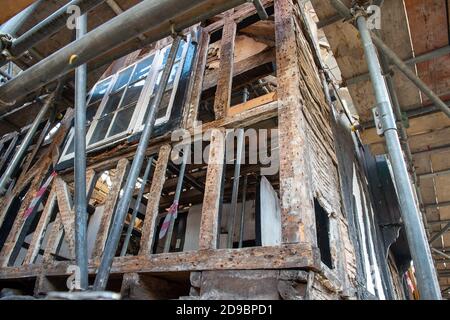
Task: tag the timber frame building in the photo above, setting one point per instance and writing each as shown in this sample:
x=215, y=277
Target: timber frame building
x=209, y=218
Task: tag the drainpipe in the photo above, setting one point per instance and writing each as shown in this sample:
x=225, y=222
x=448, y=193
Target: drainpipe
x=80, y=201
x=420, y=251
x=122, y=207
x=17, y=159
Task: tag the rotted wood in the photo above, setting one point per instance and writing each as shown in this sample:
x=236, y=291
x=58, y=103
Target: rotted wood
x=225, y=74
x=244, y=11
x=14, y=234
x=213, y=188
x=38, y=234
x=159, y=177
x=198, y=80
x=285, y=256
x=297, y=210
x=211, y=76
x=110, y=205
x=66, y=210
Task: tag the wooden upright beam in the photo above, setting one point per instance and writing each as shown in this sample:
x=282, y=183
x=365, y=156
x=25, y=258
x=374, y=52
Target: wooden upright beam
x=110, y=206
x=198, y=80
x=297, y=209
x=225, y=78
x=151, y=214
x=213, y=186
x=39, y=232
x=65, y=211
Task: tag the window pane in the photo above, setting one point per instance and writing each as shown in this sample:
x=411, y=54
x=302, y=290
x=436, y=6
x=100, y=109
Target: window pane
x=172, y=76
x=112, y=103
x=101, y=129
x=100, y=90
x=133, y=93
x=142, y=69
x=123, y=78
x=163, y=107
x=71, y=145
x=179, y=52
x=91, y=110
x=122, y=121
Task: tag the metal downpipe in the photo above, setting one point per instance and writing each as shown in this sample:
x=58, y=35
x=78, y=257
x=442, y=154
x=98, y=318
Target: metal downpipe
x=124, y=202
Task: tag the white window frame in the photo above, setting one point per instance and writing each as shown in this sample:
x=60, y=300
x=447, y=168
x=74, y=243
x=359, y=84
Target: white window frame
x=150, y=91
x=69, y=156
x=136, y=123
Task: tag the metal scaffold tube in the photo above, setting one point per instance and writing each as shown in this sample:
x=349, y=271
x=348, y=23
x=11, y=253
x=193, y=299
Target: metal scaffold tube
x=6, y=178
x=156, y=18
x=47, y=27
x=130, y=184
x=80, y=201
x=420, y=251
x=415, y=231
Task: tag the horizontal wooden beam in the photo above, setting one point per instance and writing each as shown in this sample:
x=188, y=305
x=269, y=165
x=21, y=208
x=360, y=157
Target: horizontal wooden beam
x=287, y=256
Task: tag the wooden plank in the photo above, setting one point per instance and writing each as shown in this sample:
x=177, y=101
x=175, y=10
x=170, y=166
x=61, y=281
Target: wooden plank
x=12, y=7
x=259, y=101
x=66, y=213
x=110, y=206
x=297, y=211
x=213, y=187
x=429, y=31
x=38, y=234
x=225, y=80
x=159, y=177
x=198, y=80
x=66, y=210
x=286, y=256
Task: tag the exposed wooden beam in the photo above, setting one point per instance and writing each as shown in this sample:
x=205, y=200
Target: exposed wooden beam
x=225, y=75
x=212, y=197
x=159, y=177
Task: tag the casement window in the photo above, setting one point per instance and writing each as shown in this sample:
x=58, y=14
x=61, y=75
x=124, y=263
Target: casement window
x=119, y=104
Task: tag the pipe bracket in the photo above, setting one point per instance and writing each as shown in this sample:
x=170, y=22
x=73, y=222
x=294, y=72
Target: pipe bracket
x=384, y=121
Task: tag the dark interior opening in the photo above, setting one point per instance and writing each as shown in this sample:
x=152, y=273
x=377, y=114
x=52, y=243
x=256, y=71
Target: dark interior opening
x=323, y=234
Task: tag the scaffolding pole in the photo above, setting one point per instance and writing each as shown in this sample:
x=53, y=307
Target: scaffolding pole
x=80, y=201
